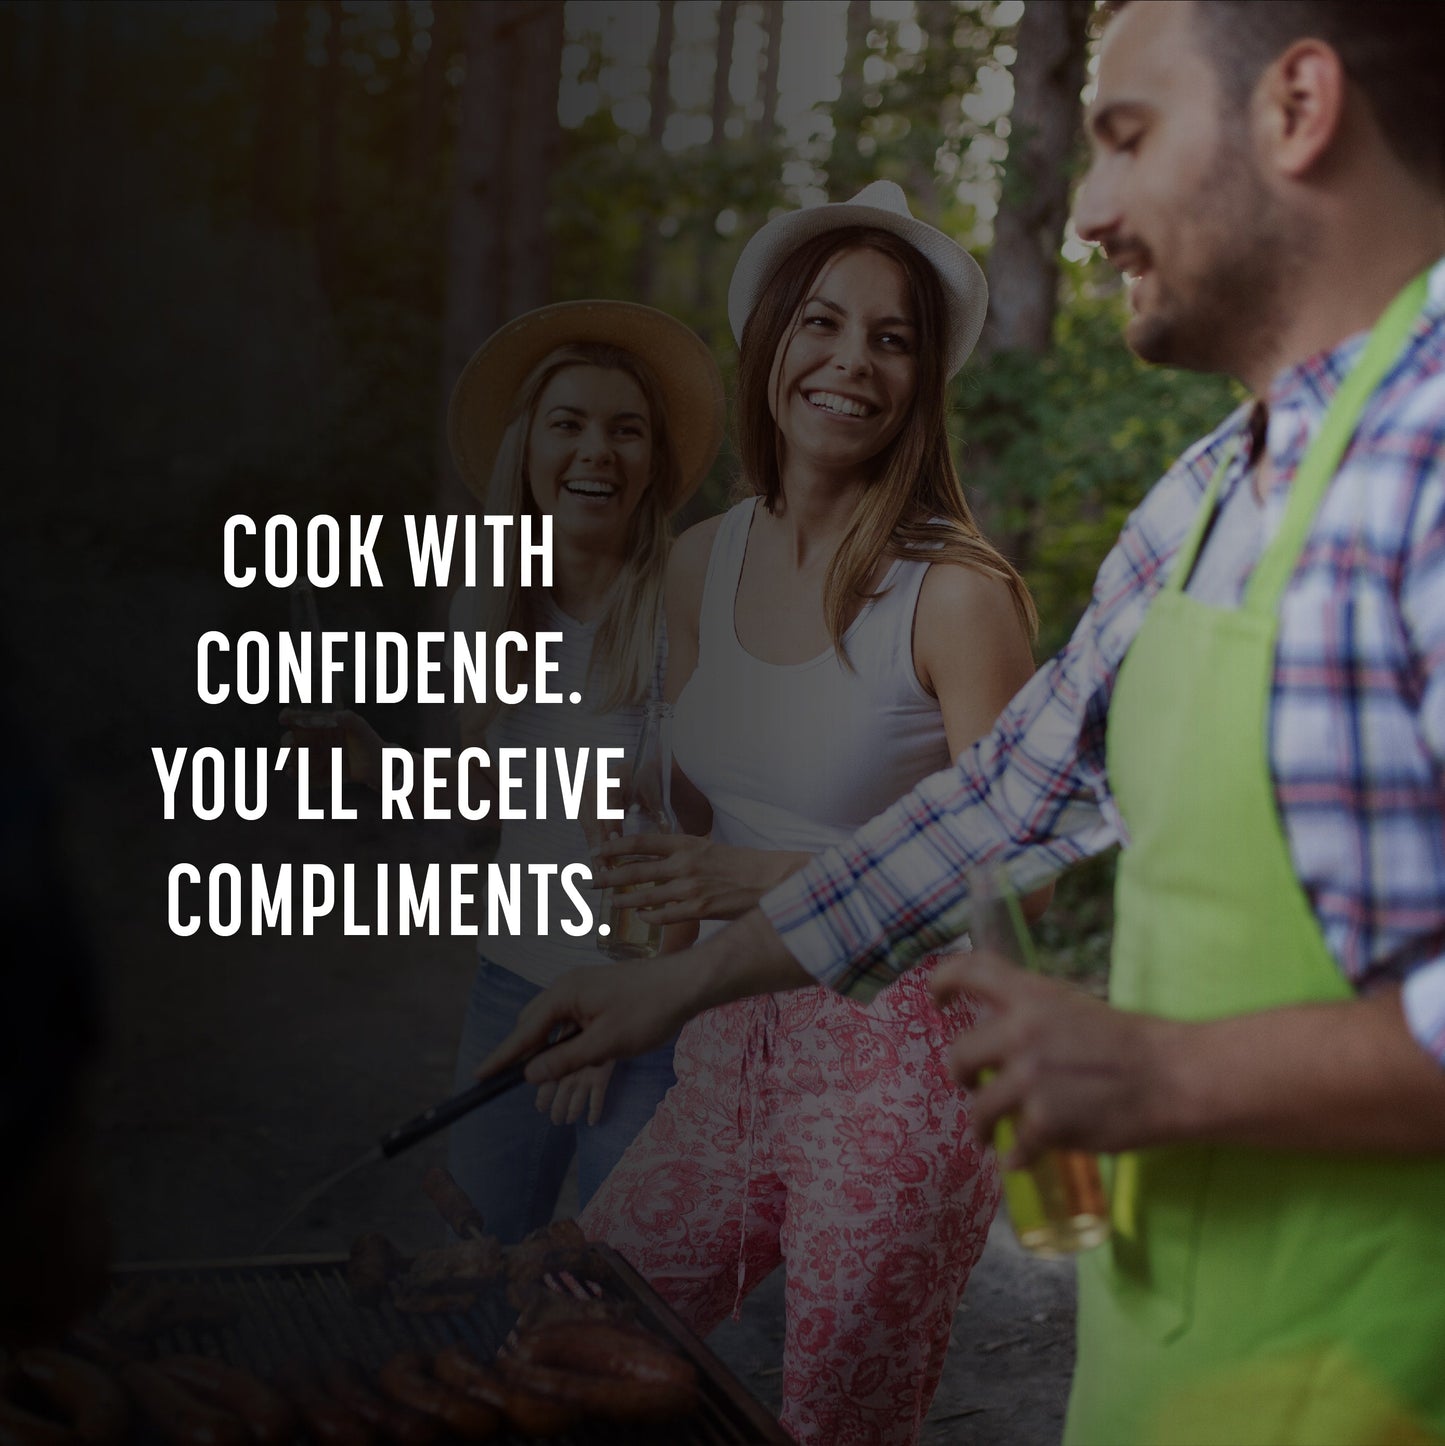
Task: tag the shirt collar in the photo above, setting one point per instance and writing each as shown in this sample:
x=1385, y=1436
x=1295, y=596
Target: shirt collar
x=1300, y=395
x=1297, y=402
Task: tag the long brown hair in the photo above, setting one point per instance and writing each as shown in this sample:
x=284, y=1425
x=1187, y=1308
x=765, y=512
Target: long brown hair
x=914, y=506
x=625, y=645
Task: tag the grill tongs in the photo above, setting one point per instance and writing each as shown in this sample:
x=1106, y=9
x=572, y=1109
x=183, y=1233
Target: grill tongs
x=421, y=1126
x=439, y=1116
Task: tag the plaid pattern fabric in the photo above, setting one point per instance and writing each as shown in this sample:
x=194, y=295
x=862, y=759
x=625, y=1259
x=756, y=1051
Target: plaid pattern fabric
x=1357, y=726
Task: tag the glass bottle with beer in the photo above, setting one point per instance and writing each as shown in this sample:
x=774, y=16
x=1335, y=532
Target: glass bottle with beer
x=1057, y=1204
x=314, y=726
x=648, y=809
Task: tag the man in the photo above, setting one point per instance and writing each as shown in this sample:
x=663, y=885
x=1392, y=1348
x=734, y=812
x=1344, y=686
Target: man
x=1254, y=706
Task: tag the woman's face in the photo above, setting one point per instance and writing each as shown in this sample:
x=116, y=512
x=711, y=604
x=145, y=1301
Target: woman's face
x=845, y=373
x=589, y=454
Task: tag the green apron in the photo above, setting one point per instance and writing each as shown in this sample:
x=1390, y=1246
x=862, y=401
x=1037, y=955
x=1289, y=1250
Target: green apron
x=1247, y=1296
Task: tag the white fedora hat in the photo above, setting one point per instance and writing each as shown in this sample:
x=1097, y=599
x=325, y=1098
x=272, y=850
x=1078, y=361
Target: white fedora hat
x=883, y=206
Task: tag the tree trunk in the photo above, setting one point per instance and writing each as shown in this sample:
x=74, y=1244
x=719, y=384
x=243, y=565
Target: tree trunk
x=275, y=184
x=474, y=238
x=402, y=95
x=722, y=103
x=937, y=19
x=644, y=269
x=722, y=96
x=328, y=200
x=845, y=165
x=1023, y=262
x=534, y=144
x=772, y=58
x=427, y=120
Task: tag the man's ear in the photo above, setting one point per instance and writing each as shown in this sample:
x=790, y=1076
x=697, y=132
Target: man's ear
x=1299, y=106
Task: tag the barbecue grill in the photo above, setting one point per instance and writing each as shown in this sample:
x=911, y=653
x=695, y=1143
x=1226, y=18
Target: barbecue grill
x=299, y=1309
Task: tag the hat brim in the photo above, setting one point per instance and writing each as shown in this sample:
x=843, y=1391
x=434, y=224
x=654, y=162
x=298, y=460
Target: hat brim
x=686, y=372
x=965, y=289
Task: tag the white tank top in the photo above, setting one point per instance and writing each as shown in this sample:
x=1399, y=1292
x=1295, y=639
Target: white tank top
x=799, y=755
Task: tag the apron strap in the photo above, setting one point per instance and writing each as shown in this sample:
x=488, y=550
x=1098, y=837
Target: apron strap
x=1189, y=551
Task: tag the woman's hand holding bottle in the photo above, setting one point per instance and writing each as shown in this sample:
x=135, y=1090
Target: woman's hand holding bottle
x=678, y=878
x=341, y=728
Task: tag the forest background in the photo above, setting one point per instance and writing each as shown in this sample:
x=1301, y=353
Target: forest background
x=252, y=245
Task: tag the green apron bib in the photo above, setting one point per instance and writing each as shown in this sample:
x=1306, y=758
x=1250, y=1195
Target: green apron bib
x=1246, y=1296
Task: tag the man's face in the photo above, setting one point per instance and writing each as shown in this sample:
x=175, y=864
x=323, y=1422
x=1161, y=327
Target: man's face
x=1175, y=197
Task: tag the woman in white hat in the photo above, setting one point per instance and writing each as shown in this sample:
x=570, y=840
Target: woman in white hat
x=605, y=416
x=835, y=638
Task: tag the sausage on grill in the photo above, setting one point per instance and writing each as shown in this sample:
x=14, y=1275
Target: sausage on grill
x=177, y=1413
x=330, y=1421
x=597, y=1348
x=264, y=1411
x=90, y=1402
x=529, y=1413
x=19, y=1427
x=612, y=1398
x=347, y=1382
x=406, y=1378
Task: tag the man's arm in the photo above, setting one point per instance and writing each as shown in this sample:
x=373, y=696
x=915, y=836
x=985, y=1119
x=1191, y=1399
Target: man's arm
x=1071, y=1071
x=916, y=854
x=1029, y=799
x=633, y=1006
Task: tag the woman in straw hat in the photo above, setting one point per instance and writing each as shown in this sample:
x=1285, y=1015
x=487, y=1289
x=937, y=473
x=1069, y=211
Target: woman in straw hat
x=837, y=637
x=605, y=416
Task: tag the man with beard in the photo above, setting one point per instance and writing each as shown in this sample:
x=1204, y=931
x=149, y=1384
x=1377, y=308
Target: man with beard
x=1254, y=707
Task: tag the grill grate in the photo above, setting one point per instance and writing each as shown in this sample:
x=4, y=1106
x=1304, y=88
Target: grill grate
x=299, y=1310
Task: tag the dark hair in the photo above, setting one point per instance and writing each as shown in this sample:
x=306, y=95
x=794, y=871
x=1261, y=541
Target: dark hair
x=1394, y=50
x=915, y=506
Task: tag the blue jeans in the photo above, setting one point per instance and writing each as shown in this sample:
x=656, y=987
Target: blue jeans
x=512, y=1160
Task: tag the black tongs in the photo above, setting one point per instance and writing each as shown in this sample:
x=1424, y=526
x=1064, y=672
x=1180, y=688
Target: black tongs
x=439, y=1116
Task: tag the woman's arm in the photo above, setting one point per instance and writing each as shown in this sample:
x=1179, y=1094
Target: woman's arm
x=970, y=650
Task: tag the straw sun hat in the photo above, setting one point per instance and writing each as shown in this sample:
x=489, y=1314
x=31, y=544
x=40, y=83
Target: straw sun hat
x=687, y=375
x=883, y=206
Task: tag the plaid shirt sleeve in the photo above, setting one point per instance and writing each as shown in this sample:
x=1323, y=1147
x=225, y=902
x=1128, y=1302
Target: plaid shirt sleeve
x=1028, y=800
x=1419, y=445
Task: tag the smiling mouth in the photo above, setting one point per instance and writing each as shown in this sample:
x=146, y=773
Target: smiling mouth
x=591, y=487
x=839, y=406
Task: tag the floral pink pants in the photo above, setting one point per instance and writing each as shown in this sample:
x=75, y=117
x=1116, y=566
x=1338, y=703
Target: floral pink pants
x=827, y=1136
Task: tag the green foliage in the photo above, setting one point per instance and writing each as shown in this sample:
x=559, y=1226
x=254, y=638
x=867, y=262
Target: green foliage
x=1074, y=936
x=1061, y=448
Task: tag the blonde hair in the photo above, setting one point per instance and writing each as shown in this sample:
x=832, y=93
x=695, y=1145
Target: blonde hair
x=914, y=507
x=624, y=648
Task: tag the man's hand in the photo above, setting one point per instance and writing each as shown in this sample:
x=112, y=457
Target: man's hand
x=622, y=1009
x=1339, y=1076
x=1068, y=1070
x=629, y=1008
x=566, y=1099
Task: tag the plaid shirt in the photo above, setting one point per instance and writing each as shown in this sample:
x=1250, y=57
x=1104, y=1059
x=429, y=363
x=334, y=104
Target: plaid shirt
x=1357, y=726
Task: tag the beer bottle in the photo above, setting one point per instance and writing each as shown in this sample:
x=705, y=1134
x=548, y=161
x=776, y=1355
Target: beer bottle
x=648, y=809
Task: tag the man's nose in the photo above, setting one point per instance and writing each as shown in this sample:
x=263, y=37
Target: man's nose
x=1096, y=207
